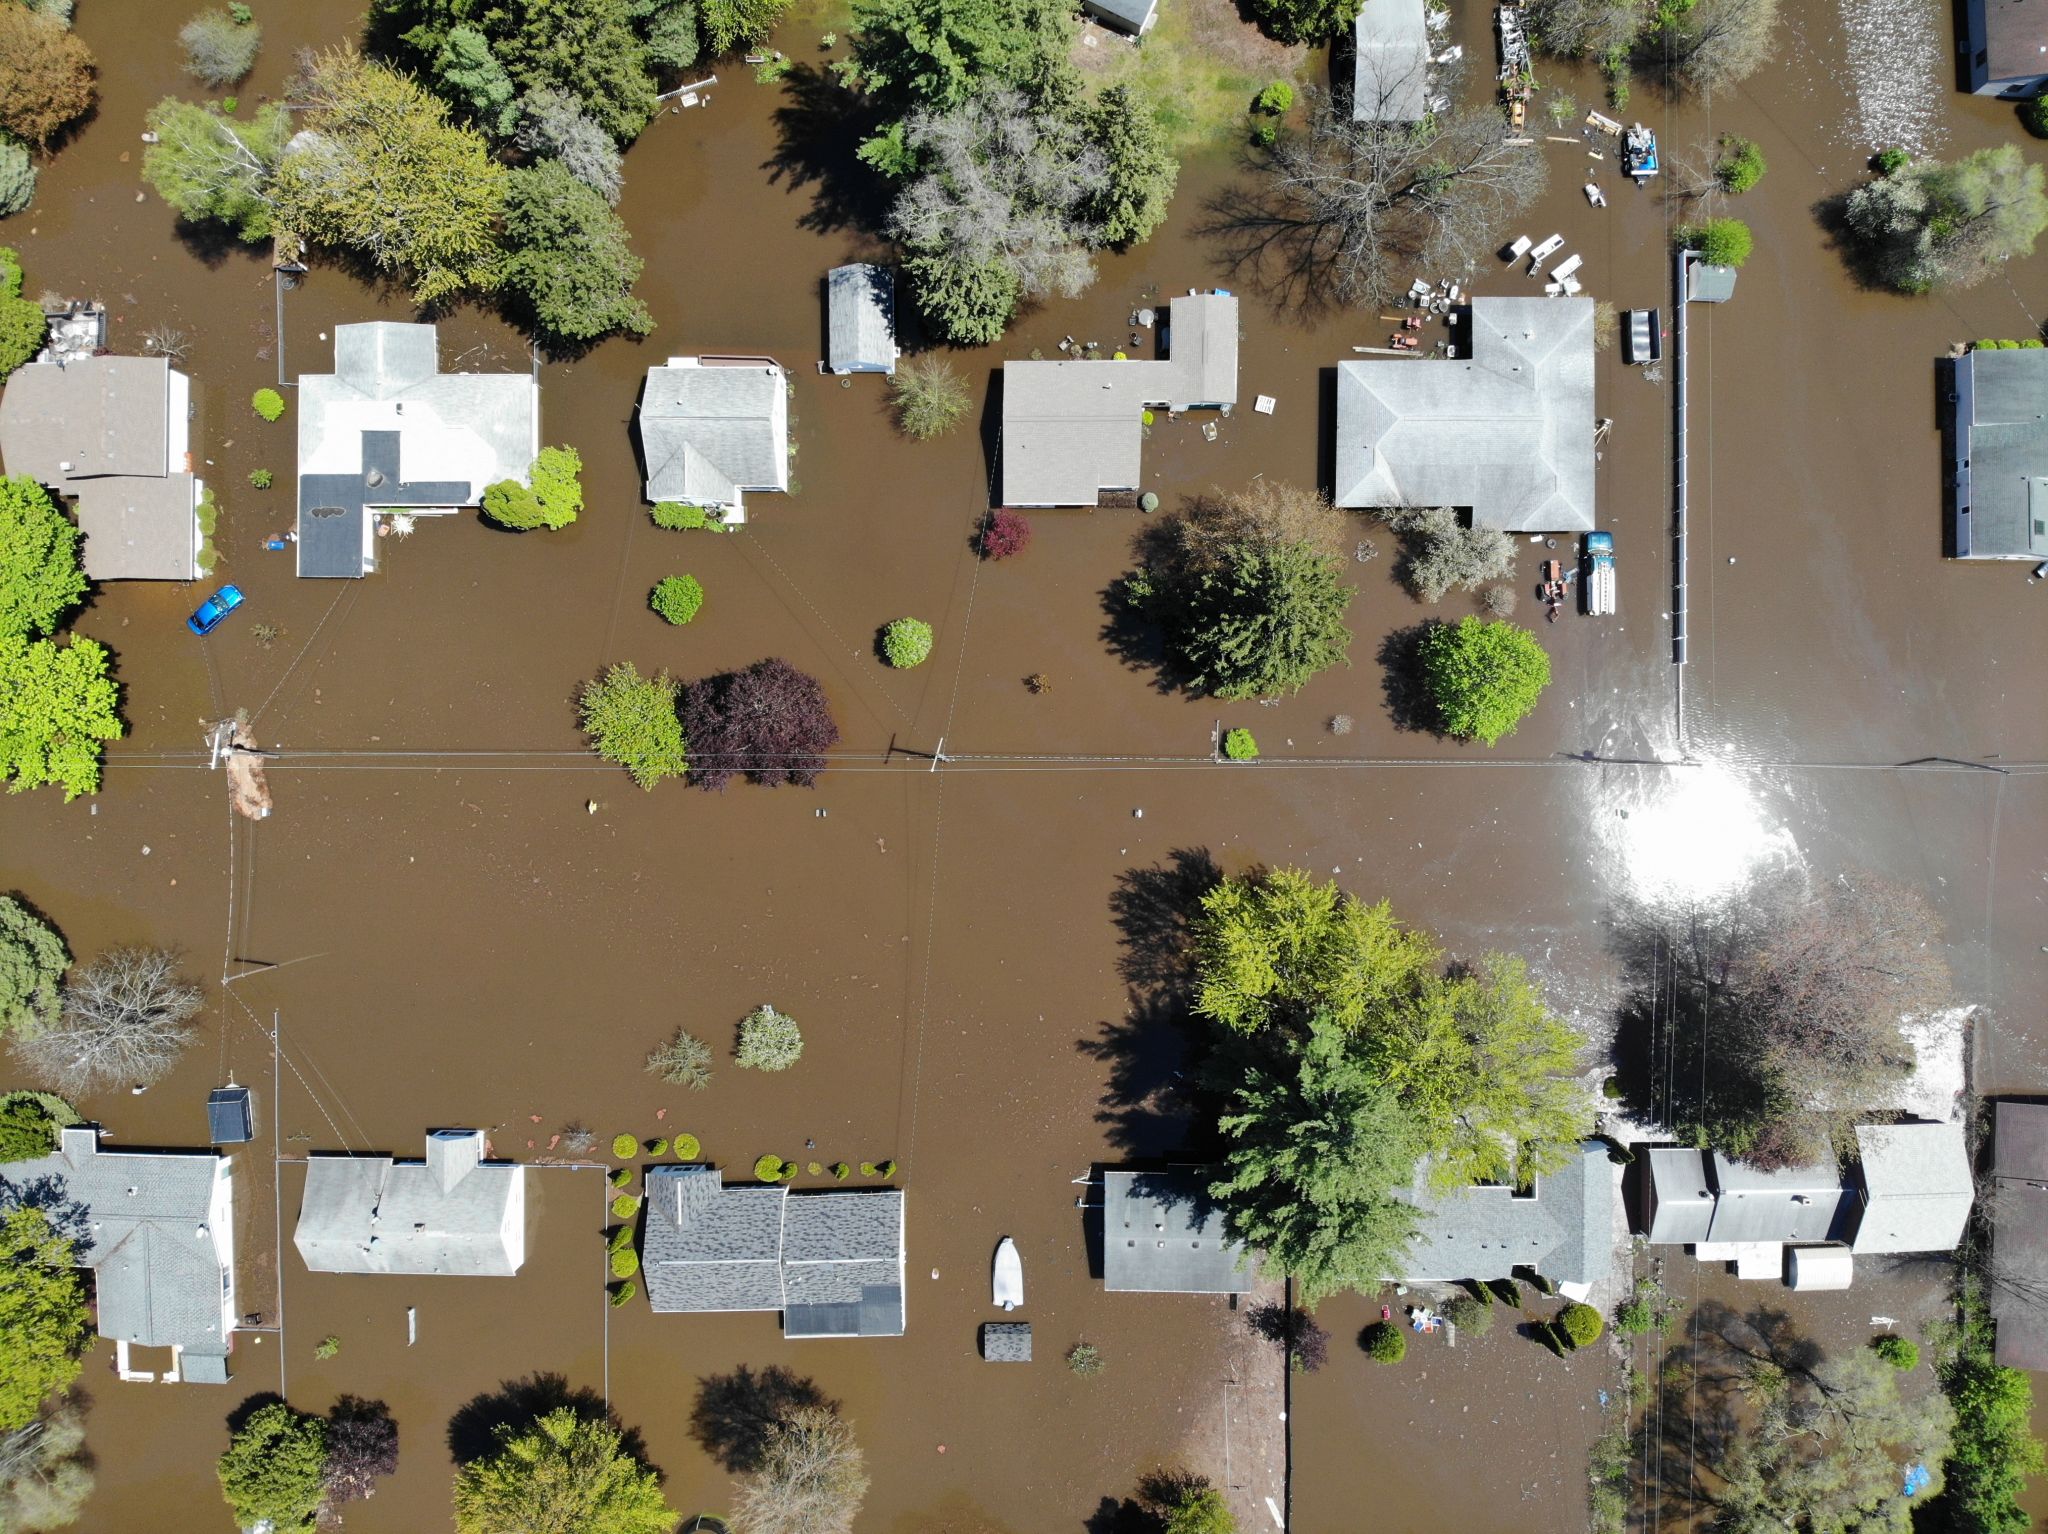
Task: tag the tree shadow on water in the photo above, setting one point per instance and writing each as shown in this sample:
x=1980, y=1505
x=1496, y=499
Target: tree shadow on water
x=478, y=1428
x=1154, y=911
x=818, y=133
x=1408, y=703
x=736, y=1412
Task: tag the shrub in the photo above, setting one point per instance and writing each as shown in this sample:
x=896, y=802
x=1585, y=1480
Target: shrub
x=1443, y=553
x=841, y=1170
x=677, y=517
x=259, y=479
x=1239, y=746
x=1484, y=677
x=620, y=1238
x=327, y=1347
x=676, y=597
x=1469, y=1315
x=770, y=1168
x=2033, y=117
x=1276, y=100
x=1612, y=1089
x=770, y=722
x=1499, y=601
x=1720, y=241
x=625, y=1262
x=769, y=1041
x=1580, y=1323
x=624, y=1146
x=1507, y=1291
x=1384, y=1343
x=685, y=1148
x=27, y=1129
x=886, y=1169
x=1634, y=1316
x=33, y=957
x=219, y=50
x=1085, y=1359
x=867, y=1169
x=625, y=1206
x=551, y=498
x=631, y=720
x=1901, y=1353
x=1480, y=1291
x=929, y=396
x=17, y=177
x=906, y=642
x=1741, y=165
x=275, y=1469
x=815, y=1168
x=622, y=1294
x=657, y=1147
x=1005, y=533
x=267, y=403
x=620, y=1177
x=684, y=1061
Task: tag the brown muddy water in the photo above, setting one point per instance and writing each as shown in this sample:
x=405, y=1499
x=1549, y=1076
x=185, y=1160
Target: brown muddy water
x=467, y=943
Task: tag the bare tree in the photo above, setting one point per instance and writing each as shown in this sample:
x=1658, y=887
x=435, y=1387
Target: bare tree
x=1578, y=29
x=126, y=1017
x=1351, y=210
x=362, y=1448
x=45, y=1470
x=1440, y=552
x=684, y=1060
x=1711, y=46
x=811, y=1481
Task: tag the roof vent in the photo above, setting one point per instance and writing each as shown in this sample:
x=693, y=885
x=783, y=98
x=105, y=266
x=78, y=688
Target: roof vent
x=374, y=478
x=133, y=1191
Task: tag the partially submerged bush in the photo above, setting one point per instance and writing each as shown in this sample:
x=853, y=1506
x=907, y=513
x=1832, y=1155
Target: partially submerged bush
x=1741, y=165
x=2033, y=117
x=929, y=396
x=1239, y=746
x=622, y=1294
x=1720, y=241
x=769, y=1040
x=552, y=497
x=625, y=1206
x=686, y=1148
x=17, y=177
x=1902, y=1353
x=1484, y=678
x=773, y=1169
x=1469, y=1315
x=841, y=1171
x=219, y=50
x=1085, y=1359
x=684, y=1061
x=28, y=1127
x=1276, y=100
x=906, y=642
x=632, y=720
x=677, y=517
x=625, y=1145
x=770, y=722
x=1004, y=534
x=1442, y=552
x=267, y=403
x=678, y=598
x=1581, y=1324
x=625, y=1262
x=658, y=1146
x=1384, y=1343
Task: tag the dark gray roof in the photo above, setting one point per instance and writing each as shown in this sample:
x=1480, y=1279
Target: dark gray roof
x=452, y=1213
x=334, y=508
x=2015, y=37
x=1390, y=67
x=2001, y=453
x=1133, y=16
x=1506, y=431
x=1073, y=429
x=1917, y=1187
x=145, y=1223
x=712, y=430
x=2019, y=1233
x=1563, y=1229
x=228, y=1120
x=860, y=307
x=1681, y=1189
x=1163, y=1234
x=832, y=1263
x=1006, y=1342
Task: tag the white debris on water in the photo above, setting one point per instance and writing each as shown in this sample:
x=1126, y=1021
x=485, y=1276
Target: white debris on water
x=1897, y=73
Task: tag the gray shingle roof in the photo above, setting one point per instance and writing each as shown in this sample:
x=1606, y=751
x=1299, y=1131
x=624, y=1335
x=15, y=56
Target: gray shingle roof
x=138, y=528
x=144, y=1221
x=1681, y=1186
x=832, y=1263
x=1917, y=1188
x=711, y=431
x=2019, y=1234
x=1390, y=65
x=860, y=310
x=1074, y=429
x=229, y=1120
x=1163, y=1234
x=1134, y=16
x=2000, y=441
x=1506, y=431
x=1563, y=1231
x=452, y=1213
x=1006, y=1342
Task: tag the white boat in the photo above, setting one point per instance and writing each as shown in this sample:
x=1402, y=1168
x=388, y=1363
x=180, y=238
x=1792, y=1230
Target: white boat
x=1009, y=1275
x=1595, y=196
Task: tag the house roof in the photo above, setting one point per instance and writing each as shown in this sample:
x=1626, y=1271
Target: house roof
x=2001, y=448
x=2015, y=40
x=711, y=430
x=1563, y=1229
x=387, y=429
x=139, y=528
x=93, y=416
x=142, y=1220
x=1681, y=1187
x=2019, y=1234
x=1006, y=1342
x=860, y=312
x=1390, y=64
x=1163, y=1234
x=1506, y=431
x=1131, y=15
x=451, y=1213
x=1808, y=1203
x=832, y=1263
x=1917, y=1187
x=1075, y=428
x=1705, y=284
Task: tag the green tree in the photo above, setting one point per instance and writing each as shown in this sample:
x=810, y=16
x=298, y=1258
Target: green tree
x=33, y=959
x=1199, y=1510
x=1142, y=169
x=1483, y=677
x=1720, y=241
x=1384, y=1343
x=1305, y=21
x=275, y=1468
x=563, y=1474
x=22, y=326
x=40, y=578
x=729, y=24
x=28, y=1127
x=1316, y=1149
x=1927, y=225
x=1581, y=1324
x=769, y=1041
x=57, y=704
x=942, y=53
x=378, y=169
x=17, y=177
x=1741, y=164
x=472, y=77
x=929, y=396
x=552, y=500
x=1265, y=622
x=906, y=642
x=216, y=169
x=219, y=48
x=1992, y=1451
x=632, y=720
x=45, y=1327
x=569, y=271
x=678, y=598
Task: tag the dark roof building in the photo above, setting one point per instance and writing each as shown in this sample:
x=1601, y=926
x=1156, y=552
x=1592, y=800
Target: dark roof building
x=229, y=1120
x=860, y=319
x=832, y=1263
x=1006, y=1342
x=1562, y=1226
x=1163, y=1234
x=2019, y=1234
x=1133, y=16
x=1997, y=441
x=2007, y=43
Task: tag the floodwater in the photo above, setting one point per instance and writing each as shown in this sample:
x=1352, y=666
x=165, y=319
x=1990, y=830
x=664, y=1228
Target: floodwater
x=465, y=941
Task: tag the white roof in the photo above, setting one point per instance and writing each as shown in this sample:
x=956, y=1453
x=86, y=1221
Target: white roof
x=453, y=1213
x=1917, y=1187
x=712, y=430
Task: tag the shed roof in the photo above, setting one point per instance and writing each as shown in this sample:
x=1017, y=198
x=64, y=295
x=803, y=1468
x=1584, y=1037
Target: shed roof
x=1506, y=431
x=1163, y=1234
x=712, y=430
x=1390, y=64
x=143, y=1222
x=228, y=1119
x=1562, y=1228
x=860, y=311
x=1706, y=284
x=2001, y=445
x=1006, y=1342
x=1917, y=1187
x=94, y=416
x=451, y=1213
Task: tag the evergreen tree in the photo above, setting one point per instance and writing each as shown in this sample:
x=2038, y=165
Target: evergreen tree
x=568, y=267
x=40, y=578
x=45, y=1327
x=1142, y=169
x=275, y=1468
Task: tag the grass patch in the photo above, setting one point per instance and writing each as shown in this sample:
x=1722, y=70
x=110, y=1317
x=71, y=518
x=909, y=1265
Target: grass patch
x=1201, y=67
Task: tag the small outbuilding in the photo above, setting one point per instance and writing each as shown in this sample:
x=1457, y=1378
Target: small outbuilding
x=1163, y=1234
x=230, y=1119
x=1006, y=1342
x=1708, y=284
x=1133, y=16
x=1819, y=1267
x=860, y=319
